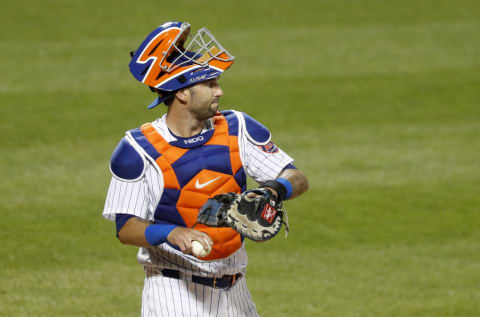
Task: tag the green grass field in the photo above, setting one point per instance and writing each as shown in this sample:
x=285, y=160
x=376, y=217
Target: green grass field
x=378, y=102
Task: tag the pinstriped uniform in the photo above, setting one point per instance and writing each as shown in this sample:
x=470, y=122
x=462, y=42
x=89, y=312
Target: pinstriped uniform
x=164, y=296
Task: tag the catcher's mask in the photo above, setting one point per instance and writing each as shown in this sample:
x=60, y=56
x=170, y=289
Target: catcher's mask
x=167, y=62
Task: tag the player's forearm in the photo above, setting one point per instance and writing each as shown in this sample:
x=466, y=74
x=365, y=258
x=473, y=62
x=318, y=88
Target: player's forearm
x=133, y=232
x=298, y=180
x=145, y=234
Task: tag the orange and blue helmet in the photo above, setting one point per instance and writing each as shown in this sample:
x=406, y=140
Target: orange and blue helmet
x=167, y=62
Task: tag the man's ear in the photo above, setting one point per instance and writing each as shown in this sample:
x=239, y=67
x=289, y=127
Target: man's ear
x=183, y=95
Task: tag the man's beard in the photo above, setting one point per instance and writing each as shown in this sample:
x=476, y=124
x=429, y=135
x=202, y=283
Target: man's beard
x=202, y=114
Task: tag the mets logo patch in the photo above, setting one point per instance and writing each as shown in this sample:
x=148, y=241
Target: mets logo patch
x=270, y=147
x=269, y=213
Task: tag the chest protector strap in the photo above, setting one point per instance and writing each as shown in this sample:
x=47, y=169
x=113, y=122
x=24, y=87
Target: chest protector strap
x=203, y=182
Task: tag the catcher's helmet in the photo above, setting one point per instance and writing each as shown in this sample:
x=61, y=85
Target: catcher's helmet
x=166, y=63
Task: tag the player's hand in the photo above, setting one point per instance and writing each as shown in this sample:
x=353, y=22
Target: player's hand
x=273, y=191
x=183, y=237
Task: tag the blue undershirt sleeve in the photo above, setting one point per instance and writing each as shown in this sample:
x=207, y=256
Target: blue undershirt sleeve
x=120, y=220
x=155, y=234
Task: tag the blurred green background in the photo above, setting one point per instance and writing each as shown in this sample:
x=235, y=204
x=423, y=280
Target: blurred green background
x=378, y=102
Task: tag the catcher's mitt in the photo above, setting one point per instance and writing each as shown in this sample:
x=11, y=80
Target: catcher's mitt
x=259, y=218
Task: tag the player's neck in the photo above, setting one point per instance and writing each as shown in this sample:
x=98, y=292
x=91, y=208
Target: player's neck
x=183, y=124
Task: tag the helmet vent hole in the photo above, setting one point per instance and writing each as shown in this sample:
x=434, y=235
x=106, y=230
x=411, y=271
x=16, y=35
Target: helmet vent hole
x=154, y=48
x=181, y=79
x=160, y=74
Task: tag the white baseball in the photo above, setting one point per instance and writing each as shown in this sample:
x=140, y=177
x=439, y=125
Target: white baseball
x=198, y=250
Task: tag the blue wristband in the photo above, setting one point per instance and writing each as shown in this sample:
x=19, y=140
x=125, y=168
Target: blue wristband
x=287, y=185
x=156, y=234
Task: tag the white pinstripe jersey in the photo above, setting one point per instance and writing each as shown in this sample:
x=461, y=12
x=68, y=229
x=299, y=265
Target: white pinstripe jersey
x=141, y=196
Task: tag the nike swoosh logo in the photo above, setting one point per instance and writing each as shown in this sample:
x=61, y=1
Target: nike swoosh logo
x=200, y=186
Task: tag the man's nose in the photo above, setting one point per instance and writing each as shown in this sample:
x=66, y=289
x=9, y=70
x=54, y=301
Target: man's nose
x=219, y=92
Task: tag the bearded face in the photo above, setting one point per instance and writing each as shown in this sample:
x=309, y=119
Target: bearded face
x=204, y=99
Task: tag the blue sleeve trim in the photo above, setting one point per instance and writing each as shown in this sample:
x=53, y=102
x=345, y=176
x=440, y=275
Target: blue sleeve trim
x=156, y=234
x=120, y=220
x=290, y=166
x=255, y=130
x=285, y=182
x=126, y=163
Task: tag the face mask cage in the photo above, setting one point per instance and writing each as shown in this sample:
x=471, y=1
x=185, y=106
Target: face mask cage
x=201, y=49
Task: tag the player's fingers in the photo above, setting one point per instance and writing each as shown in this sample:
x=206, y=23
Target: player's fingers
x=207, y=239
x=251, y=195
x=188, y=246
x=181, y=245
x=205, y=244
x=204, y=239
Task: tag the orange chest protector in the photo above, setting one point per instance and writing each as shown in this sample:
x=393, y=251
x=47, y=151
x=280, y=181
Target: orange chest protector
x=195, y=169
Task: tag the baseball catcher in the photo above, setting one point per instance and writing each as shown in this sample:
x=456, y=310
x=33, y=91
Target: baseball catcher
x=256, y=214
x=164, y=171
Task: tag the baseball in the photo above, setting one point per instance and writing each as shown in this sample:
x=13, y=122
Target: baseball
x=198, y=250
